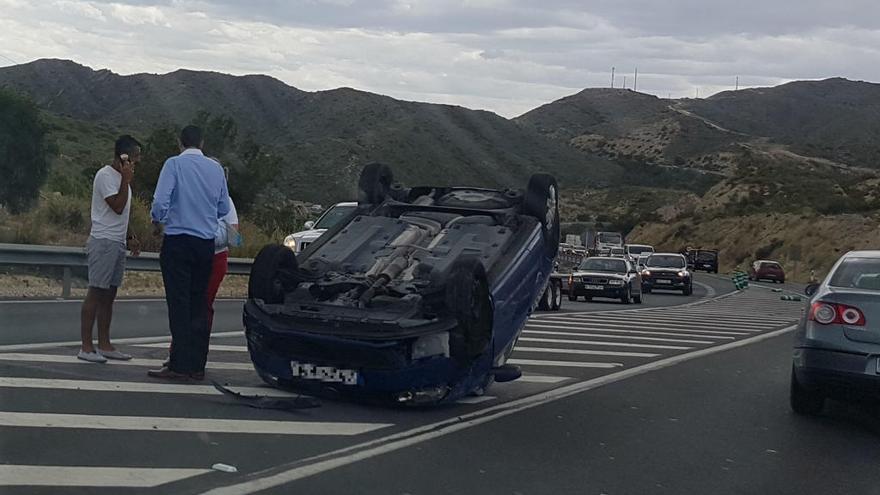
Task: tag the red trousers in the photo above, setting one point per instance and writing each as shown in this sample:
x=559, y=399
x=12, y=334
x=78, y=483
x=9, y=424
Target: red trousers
x=218, y=271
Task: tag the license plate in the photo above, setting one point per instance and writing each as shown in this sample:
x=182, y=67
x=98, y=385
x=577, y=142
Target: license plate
x=323, y=373
x=664, y=281
x=594, y=287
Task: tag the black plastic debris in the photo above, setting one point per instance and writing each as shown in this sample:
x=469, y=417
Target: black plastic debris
x=262, y=402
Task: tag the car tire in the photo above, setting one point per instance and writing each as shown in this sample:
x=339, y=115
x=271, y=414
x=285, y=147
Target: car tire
x=544, y=301
x=689, y=290
x=274, y=272
x=374, y=184
x=803, y=401
x=468, y=299
x=572, y=297
x=542, y=202
x=555, y=295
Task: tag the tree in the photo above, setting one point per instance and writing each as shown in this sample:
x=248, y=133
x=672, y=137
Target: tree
x=24, y=152
x=159, y=146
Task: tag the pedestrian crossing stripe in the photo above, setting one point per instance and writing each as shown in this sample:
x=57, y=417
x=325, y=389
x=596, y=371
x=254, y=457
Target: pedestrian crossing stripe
x=86, y=476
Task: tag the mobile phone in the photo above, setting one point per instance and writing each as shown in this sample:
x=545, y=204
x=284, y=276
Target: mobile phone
x=123, y=157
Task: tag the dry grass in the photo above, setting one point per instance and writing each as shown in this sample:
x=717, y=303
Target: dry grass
x=135, y=284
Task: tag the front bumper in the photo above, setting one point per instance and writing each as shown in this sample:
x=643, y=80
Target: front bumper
x=384, y=369
x=838, y=374
x=671, y=283
x=611, y=291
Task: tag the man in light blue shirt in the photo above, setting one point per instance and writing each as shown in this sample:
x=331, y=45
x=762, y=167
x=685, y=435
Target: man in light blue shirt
x=190, y=198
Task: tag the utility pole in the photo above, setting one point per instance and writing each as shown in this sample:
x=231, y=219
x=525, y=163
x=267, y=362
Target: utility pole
x=737, y=83
x=636, y=79
x=624, y=82
x=612, y=77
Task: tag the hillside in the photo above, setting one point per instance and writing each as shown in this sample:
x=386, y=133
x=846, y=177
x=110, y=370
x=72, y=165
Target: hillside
x=324, y=136
x=835, y=118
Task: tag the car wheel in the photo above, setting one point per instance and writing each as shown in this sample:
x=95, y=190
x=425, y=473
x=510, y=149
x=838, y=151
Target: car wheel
x=274, y=272
x=555, y=295
x=544, y=301
x=467, y=298
x=572, y=296
x=803, y=401
x=689, y=290
x=374, y=184
x=542, y=202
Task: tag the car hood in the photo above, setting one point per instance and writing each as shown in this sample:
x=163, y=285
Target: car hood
x=578, y=273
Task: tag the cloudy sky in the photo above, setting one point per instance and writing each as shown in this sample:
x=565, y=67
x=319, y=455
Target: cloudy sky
x=506, y=56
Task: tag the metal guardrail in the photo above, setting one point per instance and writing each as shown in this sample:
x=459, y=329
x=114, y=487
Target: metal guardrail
x=66, y=257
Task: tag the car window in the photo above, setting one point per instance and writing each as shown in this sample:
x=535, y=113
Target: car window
x=666, y=261
x=771, y=265
x=611, y=238
x=640, y=249
x=604, y=265
x=706, y=256
x=857, y=273
x=333, y=216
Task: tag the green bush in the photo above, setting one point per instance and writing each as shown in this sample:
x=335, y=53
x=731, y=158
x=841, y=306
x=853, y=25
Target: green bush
x=66, y=212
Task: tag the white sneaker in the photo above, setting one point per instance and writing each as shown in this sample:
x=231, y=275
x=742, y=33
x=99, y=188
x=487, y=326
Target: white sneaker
x=92, y=357
x=114, y=354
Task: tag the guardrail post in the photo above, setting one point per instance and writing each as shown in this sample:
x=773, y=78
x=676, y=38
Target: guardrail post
x=65, y=288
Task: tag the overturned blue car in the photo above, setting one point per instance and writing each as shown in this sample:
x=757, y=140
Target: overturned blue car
x=418, y=297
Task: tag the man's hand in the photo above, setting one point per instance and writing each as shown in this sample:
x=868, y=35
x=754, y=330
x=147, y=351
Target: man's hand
x=134, y=245
x=127, y=171
x=157, y=229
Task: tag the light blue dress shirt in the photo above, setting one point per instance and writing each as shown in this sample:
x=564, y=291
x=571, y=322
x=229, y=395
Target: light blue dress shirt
x=191, y=195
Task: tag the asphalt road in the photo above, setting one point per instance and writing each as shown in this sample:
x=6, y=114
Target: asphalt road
x=611, y=401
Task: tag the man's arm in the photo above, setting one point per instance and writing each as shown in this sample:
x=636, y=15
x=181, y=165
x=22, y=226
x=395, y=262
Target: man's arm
x=164, y=189
x=223, y=205
x=118, y=200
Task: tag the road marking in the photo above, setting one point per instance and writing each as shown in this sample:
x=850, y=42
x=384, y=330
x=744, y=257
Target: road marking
x=138, y=387
x=528, y=378
x=617, y=330
x=569, y=364
x=652, y=322
x=214, y=347
x=476, y=400
x=590, y=352
x=71, y=359
x=608, y=336
x=628, y=326
x=349, y=455
x=194, y=425
x=630, y=344
x=120, y=477
x=132, y=340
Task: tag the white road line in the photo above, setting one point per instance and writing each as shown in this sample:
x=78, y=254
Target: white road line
x=630, y=326
x=590, y=352
x=581, y=342
x=214, y=347
x=695, y=322
x=476, y=400
x=527, y=378
x=144, y=387
x=71, y=359
x=117, y=477
x=132, y=340
x=632, y=332
x=623, y=337
x=731, y=315
x=349, y=455
x=196, y=425
x=569, y=364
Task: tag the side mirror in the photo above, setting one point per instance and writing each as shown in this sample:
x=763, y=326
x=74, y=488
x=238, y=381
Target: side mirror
x=811, y=289
x=309, y=225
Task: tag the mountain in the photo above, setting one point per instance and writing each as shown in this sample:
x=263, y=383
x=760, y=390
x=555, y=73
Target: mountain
x=325, y=136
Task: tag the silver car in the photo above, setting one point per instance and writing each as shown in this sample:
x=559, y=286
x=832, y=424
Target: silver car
x=837, y=344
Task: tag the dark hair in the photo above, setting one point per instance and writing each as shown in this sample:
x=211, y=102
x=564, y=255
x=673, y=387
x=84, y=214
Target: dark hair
x=125, y=145
x=191, y=137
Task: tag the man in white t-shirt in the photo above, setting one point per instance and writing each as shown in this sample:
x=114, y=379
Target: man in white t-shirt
x=111, y=203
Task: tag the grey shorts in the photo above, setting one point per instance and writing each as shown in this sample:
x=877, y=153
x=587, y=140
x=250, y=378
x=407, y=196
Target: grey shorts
x=106, y=262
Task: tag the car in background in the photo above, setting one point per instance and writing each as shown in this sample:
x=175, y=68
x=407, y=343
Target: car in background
x=767, y=270
x=667, y=271
x=298, y=241
x=634, y=251
x=837, y=342
x=617, y=252
x=609, y=277
x=606, y=240
x=703, y=260
x=417, y=298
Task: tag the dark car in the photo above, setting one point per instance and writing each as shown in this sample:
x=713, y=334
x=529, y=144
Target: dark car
x=418, y=298
x=667, y=271
x=703, y=260
x=837, y=343
x=600, y=276
x=767, y=270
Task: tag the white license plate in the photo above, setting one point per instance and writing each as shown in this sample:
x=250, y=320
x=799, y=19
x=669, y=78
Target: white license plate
x=594, y=287
x=664, y=281
x=323, y=373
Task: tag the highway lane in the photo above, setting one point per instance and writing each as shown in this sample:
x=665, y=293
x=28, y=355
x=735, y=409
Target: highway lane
x=50, y=400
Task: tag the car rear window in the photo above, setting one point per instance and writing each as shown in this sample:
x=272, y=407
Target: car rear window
x=771, y=265
x=706, y=256
x=857, y=273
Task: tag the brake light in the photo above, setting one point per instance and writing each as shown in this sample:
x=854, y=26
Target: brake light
x=836, y=314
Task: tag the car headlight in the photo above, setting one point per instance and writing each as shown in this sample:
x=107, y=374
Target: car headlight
x=431, y=345
x=646, y=273
x=682, y=274
x=290, y=242
x=615, y=281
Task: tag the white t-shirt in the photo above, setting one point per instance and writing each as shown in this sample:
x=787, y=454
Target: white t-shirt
x=221, y=237
x=106, y=223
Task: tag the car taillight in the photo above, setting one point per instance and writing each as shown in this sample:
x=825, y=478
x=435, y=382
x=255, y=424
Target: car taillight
x=836, y=314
